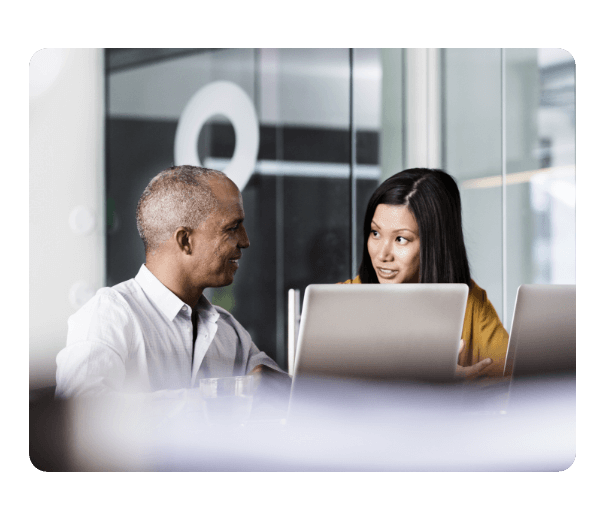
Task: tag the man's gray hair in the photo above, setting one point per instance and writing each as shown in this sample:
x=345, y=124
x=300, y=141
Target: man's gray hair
x=178, y=196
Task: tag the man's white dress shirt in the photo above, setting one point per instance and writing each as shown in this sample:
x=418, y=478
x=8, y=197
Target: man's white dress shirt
x=138, y=337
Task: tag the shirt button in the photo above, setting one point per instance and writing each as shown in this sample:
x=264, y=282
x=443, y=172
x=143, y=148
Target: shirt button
x=184, y=307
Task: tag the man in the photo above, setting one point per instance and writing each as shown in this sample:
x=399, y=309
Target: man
x=157, y=332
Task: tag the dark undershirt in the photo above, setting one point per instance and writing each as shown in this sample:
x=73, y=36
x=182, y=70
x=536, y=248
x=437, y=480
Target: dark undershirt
x=194, y=322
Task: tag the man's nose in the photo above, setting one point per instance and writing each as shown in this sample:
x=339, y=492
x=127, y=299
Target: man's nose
x=243, y=241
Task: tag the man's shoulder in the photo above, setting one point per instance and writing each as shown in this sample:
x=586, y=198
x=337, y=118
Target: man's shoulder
x=227, y=321
x=125, y=289
x=107, y=301
x=128, y=294
x=225, y=316
x=106, y=318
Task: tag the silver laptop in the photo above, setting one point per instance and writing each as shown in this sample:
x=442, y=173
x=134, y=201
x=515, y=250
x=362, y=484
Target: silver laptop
x=374, y=331
x=543, y=331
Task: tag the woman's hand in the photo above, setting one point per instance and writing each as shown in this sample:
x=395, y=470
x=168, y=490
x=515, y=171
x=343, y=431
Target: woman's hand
x=472, y=371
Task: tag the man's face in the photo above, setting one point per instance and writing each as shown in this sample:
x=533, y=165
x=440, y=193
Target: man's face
x=218, y=241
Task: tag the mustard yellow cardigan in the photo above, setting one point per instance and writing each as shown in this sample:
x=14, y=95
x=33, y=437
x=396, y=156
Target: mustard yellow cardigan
x=482, y=331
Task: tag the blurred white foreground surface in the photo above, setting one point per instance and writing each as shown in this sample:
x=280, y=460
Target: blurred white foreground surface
x=337, y=425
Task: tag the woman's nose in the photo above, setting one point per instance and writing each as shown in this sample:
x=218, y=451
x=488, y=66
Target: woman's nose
x=385, y=251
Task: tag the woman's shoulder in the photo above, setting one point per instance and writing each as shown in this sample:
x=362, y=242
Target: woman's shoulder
x=354, y=280
x=476, y=293
x=478, y=299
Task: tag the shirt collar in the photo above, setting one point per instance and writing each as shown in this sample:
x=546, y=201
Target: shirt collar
x=206, y=310
x=168, y=302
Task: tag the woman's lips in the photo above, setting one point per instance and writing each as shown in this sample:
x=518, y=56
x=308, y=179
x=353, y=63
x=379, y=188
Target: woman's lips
x=386, y=273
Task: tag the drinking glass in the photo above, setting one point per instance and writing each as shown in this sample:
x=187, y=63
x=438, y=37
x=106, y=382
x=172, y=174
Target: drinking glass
x=227, y=399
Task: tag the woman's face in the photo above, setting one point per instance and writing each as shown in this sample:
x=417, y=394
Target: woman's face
x=394, y=245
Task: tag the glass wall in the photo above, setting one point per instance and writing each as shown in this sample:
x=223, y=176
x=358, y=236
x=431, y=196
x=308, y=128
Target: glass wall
x=540, y=168
x=298, y=197
x=331, y=124
x=553, y=185
x=472, y=127
x=510, y=114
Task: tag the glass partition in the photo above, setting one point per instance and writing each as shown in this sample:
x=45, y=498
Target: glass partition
x=540, y=168
x=298, y=196
x=510, y=114
x=472, y=114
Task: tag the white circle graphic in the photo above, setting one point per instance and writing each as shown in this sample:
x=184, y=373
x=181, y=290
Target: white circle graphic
x=82, y=221
x=79, y=293
x=227, y=99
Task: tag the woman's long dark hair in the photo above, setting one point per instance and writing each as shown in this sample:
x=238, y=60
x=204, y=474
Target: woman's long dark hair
x=433, y=198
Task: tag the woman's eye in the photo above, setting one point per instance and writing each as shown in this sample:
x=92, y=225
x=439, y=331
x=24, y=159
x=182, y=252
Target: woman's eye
x=402, y=240
x=374, y=233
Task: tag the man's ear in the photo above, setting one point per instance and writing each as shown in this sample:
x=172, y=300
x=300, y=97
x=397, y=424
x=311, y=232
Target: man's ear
x=183, y=239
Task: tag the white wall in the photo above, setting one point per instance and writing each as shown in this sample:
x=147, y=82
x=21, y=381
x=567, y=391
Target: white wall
x=66, y=145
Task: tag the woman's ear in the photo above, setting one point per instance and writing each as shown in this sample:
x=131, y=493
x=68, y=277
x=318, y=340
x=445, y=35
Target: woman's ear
x=183, y=239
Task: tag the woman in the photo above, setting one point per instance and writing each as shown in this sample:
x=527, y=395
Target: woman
x=413, y=234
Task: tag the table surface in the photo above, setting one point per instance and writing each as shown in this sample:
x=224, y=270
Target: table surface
x=341, y=425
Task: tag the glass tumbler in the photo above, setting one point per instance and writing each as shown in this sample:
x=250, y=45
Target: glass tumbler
x=227, y=399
